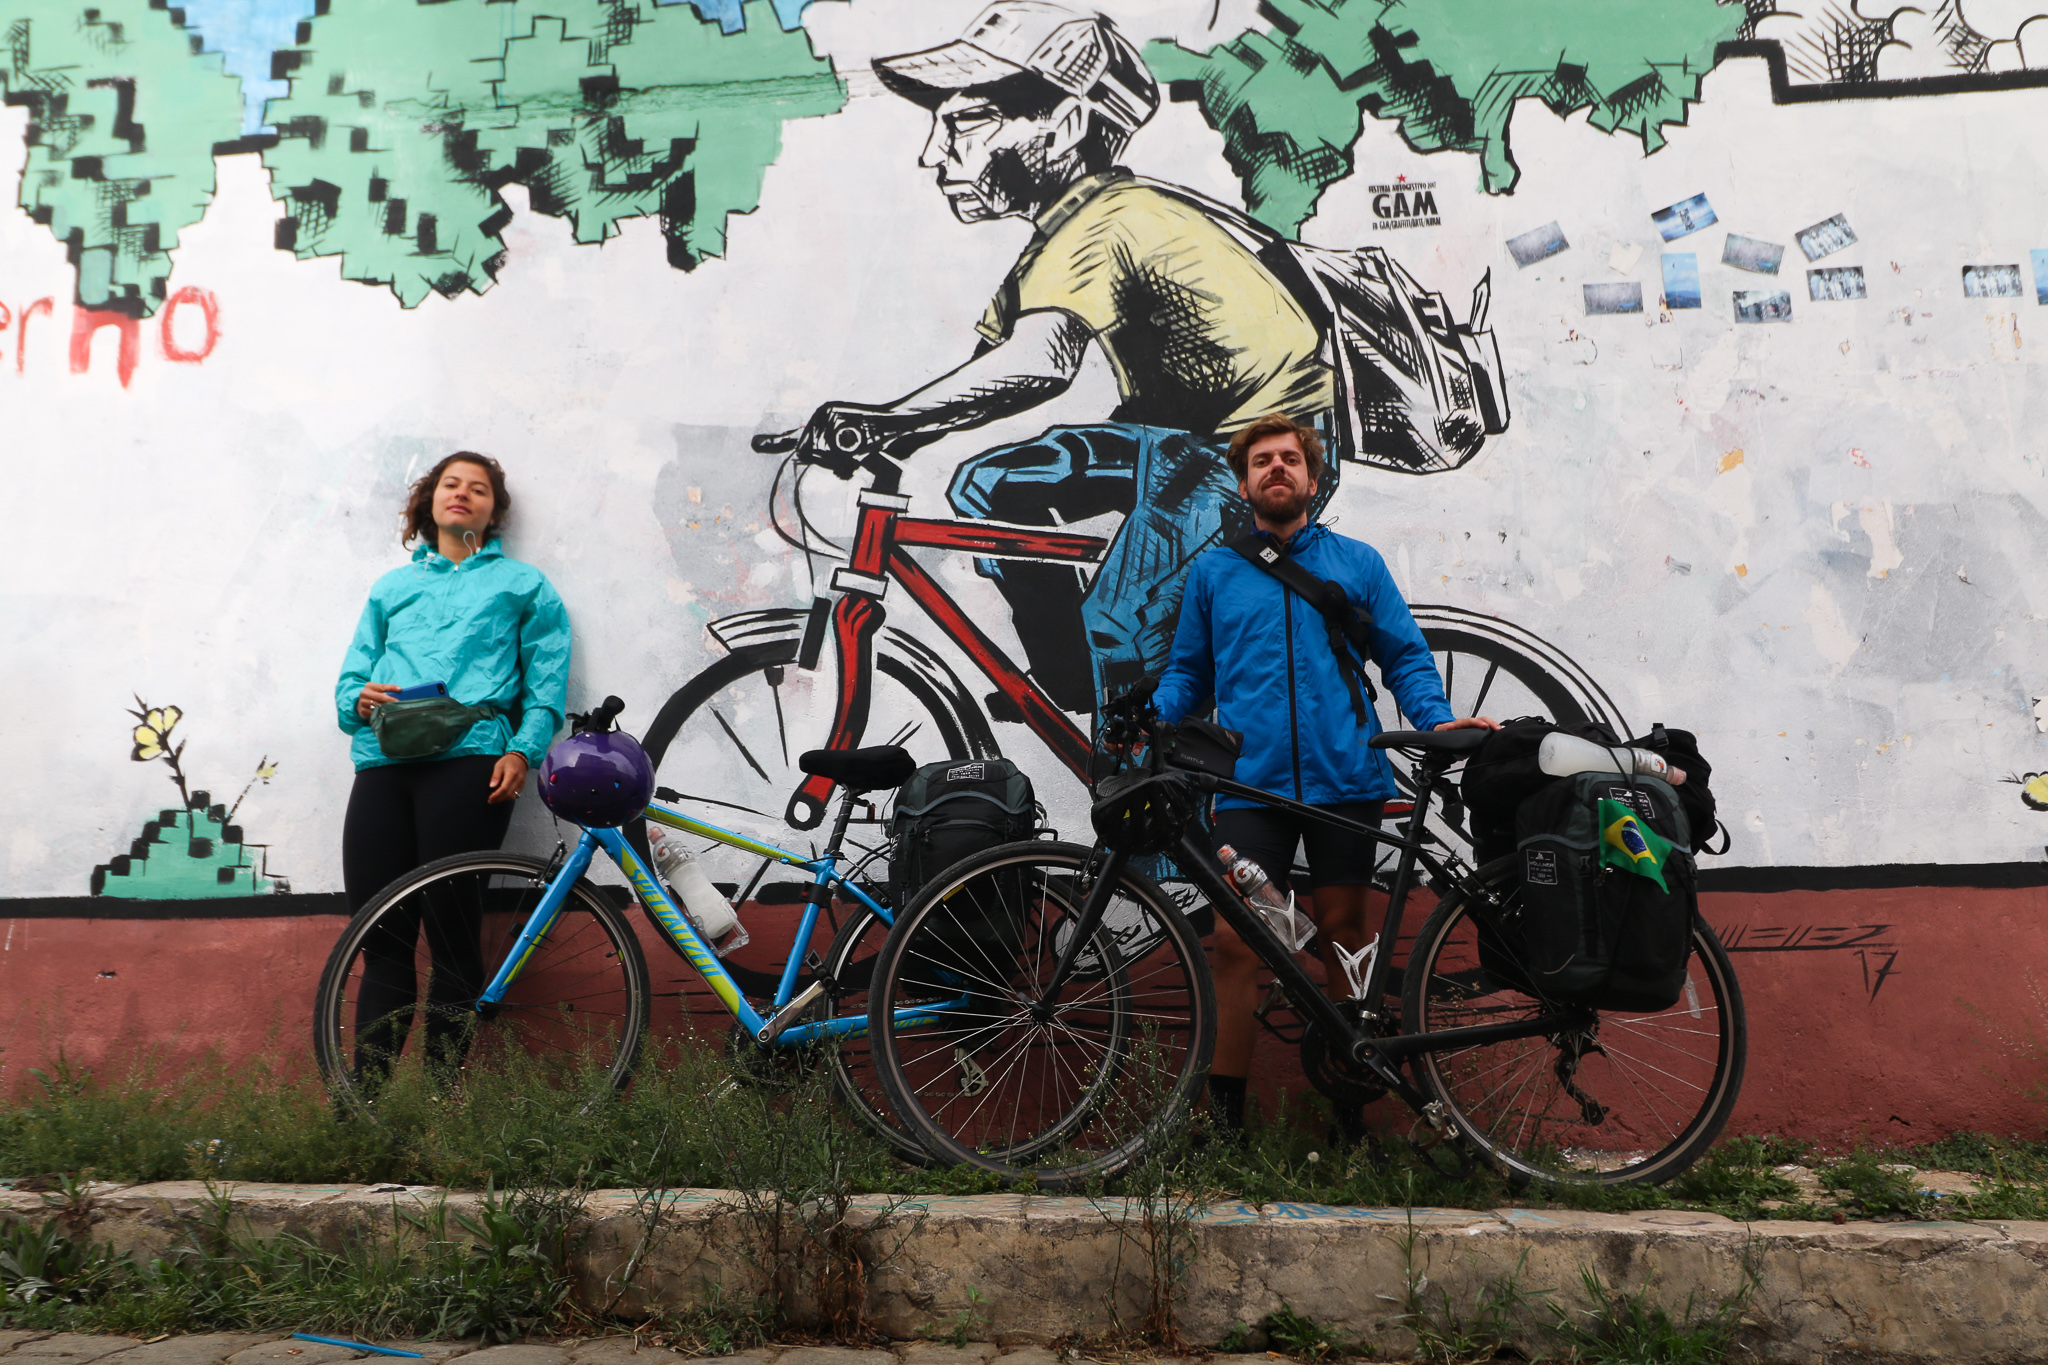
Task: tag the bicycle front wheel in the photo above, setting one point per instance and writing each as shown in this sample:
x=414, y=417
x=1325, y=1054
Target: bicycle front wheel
x=987, y=1069
x=1633, y=1099
x=405, y=976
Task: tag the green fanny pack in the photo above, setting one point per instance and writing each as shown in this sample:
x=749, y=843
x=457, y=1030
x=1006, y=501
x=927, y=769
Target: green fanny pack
x=425, y=728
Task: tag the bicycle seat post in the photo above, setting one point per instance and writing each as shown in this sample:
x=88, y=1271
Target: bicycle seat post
x=835, y=843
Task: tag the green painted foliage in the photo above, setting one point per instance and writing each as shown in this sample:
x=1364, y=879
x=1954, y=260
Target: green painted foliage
x=406, y=119
x=123, y=118
x=1289, y=103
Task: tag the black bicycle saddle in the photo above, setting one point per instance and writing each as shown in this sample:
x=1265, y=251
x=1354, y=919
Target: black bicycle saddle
x=1443, y=741
x=861, y=770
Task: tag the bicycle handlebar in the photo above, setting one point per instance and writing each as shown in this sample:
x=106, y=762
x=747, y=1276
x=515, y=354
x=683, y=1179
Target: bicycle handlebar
x=843, y=446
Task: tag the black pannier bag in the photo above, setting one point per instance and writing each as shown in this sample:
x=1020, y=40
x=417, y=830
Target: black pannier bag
x=1503, y=773
x=1584, y=932
x=946, y=812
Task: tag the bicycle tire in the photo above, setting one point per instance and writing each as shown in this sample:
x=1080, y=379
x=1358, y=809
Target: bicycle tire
x=1667, y=1080
x=1061, y=1097
x=582, y=997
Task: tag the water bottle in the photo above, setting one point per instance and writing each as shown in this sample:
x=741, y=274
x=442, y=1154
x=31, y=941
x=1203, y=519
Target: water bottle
x=710, y=911
x=1561, y=755
x=1288, y=924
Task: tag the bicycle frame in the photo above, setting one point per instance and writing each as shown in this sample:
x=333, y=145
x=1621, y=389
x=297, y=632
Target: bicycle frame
x=1382, y=1055
x=881, y=541
x=776, y=1028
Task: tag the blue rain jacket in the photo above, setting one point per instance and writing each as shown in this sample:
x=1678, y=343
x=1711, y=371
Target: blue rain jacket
x=490, y=627
x=1265, y=655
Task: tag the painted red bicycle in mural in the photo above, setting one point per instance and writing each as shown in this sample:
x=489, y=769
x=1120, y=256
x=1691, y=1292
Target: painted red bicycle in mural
x=843, y=672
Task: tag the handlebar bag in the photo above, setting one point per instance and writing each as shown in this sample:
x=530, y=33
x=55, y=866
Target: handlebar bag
x=947, y=812
x=1604, y=912
x=1203, y=746
x=426, y=727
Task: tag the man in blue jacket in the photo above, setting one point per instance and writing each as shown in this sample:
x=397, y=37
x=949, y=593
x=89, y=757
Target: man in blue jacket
x=1266, y=656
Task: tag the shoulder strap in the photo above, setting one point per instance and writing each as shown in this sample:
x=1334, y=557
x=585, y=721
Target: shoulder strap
x=1347, y=624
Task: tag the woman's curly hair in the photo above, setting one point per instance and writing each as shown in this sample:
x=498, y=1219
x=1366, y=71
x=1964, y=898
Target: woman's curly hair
x=418, y=517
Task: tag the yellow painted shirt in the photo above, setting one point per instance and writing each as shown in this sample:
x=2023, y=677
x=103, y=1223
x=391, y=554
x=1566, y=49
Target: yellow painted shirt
x=1202, y=336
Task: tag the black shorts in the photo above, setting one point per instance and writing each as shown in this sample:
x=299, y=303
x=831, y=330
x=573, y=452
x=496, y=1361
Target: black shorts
x=1269, y=837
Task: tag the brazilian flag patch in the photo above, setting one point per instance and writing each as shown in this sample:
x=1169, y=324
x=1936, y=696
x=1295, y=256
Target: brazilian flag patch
x=1626, y=842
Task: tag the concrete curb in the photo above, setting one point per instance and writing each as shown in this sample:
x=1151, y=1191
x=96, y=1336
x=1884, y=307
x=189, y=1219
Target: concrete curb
x=1043, y=1268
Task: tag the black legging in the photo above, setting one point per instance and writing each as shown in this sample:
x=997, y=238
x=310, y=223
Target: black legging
x=399, y=817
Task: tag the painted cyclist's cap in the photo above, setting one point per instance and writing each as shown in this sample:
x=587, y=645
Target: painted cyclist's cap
x=1083, y=56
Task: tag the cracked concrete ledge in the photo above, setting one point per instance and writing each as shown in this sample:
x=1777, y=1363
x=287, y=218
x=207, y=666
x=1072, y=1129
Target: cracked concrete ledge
x=1044, y=1267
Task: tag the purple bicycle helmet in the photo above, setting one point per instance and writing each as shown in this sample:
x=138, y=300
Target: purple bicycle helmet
x=597, y=777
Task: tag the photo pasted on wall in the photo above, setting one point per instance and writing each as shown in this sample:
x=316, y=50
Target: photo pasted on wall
x=1832, y=284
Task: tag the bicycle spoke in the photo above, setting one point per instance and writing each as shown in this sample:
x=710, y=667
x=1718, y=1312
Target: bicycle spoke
x=1478, y=706
x=781, y=724
x=740, y=744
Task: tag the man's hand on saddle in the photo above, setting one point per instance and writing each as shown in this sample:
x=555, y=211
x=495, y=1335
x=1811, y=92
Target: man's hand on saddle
x=1675, y=775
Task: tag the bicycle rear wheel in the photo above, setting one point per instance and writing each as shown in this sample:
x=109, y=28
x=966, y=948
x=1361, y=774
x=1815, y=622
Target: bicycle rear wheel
x=580, y=1002
x=1654, y=1089
x=997, y=1077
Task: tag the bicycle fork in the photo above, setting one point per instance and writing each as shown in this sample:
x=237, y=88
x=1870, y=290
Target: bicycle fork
x=537, y=925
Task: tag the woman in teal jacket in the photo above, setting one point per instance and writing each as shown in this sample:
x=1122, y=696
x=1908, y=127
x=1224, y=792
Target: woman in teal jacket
x=494, y=632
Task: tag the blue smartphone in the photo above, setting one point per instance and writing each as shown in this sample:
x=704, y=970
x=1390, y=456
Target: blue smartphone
x=421, y=692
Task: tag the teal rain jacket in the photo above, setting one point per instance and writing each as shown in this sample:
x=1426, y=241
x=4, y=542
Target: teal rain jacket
x=1265, y=656
x=490, y=627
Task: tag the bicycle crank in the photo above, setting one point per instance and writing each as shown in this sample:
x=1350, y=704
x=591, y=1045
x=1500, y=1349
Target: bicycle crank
x=1330, y=1069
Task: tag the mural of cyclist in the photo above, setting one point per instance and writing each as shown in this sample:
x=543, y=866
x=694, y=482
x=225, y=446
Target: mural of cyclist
x=1208, y=321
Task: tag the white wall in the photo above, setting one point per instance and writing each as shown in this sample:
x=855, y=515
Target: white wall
x=1851, y=614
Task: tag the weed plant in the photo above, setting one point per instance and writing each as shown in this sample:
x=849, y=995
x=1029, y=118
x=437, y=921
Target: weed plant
x=720, y=1326
x=1449, y=1332
x=1739, y=1175
x=1153, y=1208
x=796, y=1167
x=535, y=1122
x=1626, y=1327
x=968, y=1324
x=1295, y=1334
x=497, y=1274
x=1874, y=1191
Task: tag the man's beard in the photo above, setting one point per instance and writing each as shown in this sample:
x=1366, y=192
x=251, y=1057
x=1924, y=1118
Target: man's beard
x=1281, y=503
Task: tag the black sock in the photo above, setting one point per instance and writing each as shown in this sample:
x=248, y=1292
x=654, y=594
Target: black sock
x=1226, y=1102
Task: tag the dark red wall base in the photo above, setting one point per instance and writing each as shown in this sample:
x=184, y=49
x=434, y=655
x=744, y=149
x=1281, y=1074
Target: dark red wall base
x=1884, y=1015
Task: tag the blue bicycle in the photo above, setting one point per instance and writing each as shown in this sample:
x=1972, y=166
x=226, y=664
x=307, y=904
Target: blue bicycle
x=527, y=954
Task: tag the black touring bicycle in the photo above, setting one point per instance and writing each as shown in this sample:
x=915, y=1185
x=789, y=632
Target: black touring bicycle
x=1075, y=1014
